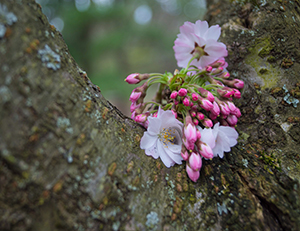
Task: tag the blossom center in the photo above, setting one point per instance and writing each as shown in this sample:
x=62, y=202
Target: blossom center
x=198, y=51
x=168, y=136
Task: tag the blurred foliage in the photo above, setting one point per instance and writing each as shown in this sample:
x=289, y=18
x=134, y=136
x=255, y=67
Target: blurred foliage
x=108, y=43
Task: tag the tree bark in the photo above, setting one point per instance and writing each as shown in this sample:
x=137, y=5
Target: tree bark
x=71, y=161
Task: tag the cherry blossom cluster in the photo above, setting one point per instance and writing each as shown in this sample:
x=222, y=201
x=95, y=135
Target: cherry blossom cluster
x=192, y=115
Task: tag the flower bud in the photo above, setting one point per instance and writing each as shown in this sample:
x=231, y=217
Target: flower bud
x=193, y=175
x=200, y=116
x=225, y=92
x=195, y=96
x=182, y=92
x=237, y=83
x=204, y=149
x=185, y=155
x=135, y=96
x=237, y=94
x=205, y=104
x=207, y=123
x=216, y=109
x=141, y=118
x=174, y=95
x=232, y=120
x=195, y=121
x=206, y=94
x=195, y=161
x=208, y=68
x=133, y=78
x=186, y=101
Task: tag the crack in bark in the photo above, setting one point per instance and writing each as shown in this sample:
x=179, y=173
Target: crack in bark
x=271, y=212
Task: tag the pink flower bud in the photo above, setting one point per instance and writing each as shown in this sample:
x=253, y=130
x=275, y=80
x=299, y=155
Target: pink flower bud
x=186, y=101
x=133, y=115
x=182, y=92
x=195, y=161
x=135, y=96
x=206, y=104
x=207, y=123
x=216, y=109
x=237, y=113
x=225, y=75
x=174, y=95
x=185, y=155
x=195, y=121
x=237, y=94
x=193, y=175
x=190, y=133
x=193, y=113
x=206, y=94
x=232, y=120
x=217, y=71
x=219, y=63
x=208, y=68
x=176, y=102
x=224, y=108
x=239, y=84
x=133, y=78
x=195, y=96
x=200, y=116
x=231, y=107
x=205, y=150
x=187, y=144
x=141, y=118
x=225, y=92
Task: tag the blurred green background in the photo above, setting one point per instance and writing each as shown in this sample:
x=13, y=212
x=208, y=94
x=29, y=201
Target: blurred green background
x=111, y=39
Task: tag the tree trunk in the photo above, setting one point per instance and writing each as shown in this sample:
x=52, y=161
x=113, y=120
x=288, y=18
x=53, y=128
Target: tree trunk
x=71, y=161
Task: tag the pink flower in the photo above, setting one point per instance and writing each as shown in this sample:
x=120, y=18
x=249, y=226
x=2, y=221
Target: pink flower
x=193, y=175
x=195, y=161
x=163, y=138
x=199, y=40
x=182, y=92
x=134, y=106
x=141, y=118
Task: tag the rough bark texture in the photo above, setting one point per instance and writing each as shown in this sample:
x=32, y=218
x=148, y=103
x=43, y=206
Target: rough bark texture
x=71, y=161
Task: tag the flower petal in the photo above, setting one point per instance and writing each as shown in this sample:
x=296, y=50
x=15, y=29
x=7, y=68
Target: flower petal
x=152, y=151
x=154, y=125
x=148, y=140
x=213, y=32
x=164, y=156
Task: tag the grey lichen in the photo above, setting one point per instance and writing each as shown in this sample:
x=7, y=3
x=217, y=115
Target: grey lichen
x=49, y=58
x=152, y=220
x=222, y=208
x=6, y=19
x=288, y=98
x=5, y=94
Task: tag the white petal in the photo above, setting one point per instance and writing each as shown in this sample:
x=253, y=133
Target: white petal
x=215, y=49
x=164, y=156
x=213, y=32
x=200, y=28
x=208, y=137
x=152, y=151
x=148, y=140
x=154, y=125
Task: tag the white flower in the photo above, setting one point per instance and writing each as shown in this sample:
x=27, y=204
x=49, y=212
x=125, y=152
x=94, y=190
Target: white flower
x=220, y=138
x=163, y=138
x=200, y=38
